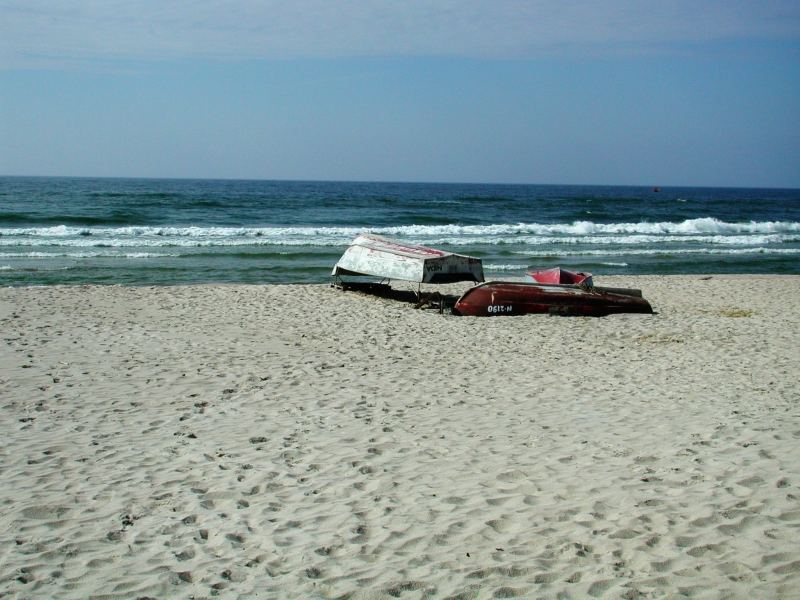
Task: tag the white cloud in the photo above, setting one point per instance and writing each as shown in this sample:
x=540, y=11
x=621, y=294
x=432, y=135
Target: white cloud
x=101, y=31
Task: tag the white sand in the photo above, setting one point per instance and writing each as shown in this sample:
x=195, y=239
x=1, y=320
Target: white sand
x=303, y=442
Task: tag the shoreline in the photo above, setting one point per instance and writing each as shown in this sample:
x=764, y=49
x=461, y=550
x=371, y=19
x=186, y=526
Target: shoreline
x=293, y=440
x=603, y=278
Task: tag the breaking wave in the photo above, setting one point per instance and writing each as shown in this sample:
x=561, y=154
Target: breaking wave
x=662, y=252
x=492, y=267
x=703, y=230
x=95, y=254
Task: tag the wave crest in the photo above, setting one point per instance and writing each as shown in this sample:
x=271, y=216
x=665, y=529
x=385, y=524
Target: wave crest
x=309, y=235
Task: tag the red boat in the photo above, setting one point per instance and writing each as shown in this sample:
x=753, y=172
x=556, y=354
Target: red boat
x=510, y=298
x=557, y=275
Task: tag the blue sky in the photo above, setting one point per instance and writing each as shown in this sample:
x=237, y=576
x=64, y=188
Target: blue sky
x=538, y=91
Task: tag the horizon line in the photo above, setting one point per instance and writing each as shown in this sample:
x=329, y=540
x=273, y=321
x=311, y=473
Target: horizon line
x=654, y=187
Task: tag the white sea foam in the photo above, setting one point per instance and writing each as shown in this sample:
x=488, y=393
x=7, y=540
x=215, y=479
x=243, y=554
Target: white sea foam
x=166, y=242
x=98, y=254
x=623, y=240
x=662, y=251
x=199, y=242
x=702, y=226
x=492, y=267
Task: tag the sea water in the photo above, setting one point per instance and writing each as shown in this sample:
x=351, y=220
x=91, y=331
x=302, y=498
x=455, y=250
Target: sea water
x=157, y=231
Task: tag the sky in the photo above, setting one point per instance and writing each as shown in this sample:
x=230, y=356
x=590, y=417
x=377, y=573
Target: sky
x=617, y=92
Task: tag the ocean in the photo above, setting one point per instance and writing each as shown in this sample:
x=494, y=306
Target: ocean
x=158, y=231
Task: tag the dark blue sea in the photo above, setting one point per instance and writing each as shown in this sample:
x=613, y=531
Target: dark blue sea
x=158, y=231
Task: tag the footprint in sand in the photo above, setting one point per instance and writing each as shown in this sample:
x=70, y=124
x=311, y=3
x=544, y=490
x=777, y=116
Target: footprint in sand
x=44, y=512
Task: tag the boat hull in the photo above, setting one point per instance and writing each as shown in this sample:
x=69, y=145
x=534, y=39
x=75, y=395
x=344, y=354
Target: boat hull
x=376, y=256
x=501, y=298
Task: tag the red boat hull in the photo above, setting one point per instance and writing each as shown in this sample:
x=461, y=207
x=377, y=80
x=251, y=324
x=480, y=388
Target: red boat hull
x=498, y=298
x=557, y=275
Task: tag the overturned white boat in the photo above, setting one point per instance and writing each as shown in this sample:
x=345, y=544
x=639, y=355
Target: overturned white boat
x=376, y=256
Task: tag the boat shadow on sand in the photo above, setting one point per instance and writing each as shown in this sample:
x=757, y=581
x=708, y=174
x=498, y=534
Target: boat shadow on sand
x=417, y=298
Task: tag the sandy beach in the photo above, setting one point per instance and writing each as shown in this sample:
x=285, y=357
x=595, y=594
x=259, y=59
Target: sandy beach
x=304, y=442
